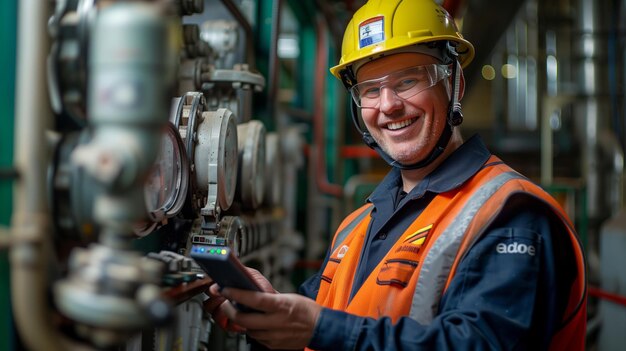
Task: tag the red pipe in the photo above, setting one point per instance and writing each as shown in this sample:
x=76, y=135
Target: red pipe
x=453, y=7
x=603, y=294
x=357, y=151
x=319, y=151
x=346, y=151
x=308, y=264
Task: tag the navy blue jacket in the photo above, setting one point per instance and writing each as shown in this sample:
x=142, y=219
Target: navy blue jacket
x=495, y=301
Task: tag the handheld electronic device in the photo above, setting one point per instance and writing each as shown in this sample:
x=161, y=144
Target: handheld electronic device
x=221, y=264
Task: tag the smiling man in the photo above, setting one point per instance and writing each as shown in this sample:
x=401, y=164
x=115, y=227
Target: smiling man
x=454, y=250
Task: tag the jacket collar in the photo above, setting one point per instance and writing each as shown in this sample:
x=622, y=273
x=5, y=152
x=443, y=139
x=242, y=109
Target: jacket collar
x=461, y=165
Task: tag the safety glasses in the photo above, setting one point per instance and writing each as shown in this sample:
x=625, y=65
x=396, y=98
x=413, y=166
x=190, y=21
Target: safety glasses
x=404, y=84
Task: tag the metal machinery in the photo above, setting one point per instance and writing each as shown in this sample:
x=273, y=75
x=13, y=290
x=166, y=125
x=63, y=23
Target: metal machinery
x=152, y=137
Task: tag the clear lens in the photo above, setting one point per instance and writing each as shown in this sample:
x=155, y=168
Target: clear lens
x=405, y=84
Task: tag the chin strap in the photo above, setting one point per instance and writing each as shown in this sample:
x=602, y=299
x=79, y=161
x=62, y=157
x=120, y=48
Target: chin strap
x=454, y=118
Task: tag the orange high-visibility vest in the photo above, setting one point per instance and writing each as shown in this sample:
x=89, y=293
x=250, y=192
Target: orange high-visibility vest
x=411, y=279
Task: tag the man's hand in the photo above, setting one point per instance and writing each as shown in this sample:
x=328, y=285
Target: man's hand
x=216, y=304
x=287, y=321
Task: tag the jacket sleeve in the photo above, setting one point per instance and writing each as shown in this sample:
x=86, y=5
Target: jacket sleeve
x=504, y=296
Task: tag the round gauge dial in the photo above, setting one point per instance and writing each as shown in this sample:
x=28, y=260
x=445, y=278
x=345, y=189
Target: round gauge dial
x=252, y=154
x=216, y=159
x=273, y=170
x=166, y=188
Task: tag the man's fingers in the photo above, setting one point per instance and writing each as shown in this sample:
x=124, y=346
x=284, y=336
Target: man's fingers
x=214, y=290
x=264, y=302
x=212, y=303
x=230, y=311
x=220, y=316
x=263, y=283
x=286, y=321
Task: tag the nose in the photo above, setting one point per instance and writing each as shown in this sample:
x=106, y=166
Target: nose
x=389, y=101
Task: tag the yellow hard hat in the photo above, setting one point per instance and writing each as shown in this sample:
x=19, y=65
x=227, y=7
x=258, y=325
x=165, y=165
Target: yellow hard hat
x=383, y=27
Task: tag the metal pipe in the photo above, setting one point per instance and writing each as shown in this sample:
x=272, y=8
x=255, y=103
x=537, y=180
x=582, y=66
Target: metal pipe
x=353, y=183
x=607, y=295
x=589, y=73
x=243, y=22
x=128, y=54
x=621, y=27
x=330, y=16
x=611, y=147
x=323, y=183
x=274, y=60
x=31, y=220
x=593, y=325
x=551, y=104
x=454, y=7
x=357, y=151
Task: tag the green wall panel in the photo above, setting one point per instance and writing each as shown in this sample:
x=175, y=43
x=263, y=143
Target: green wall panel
x=8, y=33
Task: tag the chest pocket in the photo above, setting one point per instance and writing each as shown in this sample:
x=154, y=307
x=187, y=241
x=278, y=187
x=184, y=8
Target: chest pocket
x=330, y=270
x=399, y=268
x=396, y=272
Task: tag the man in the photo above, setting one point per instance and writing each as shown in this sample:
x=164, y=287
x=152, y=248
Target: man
x=453, y=250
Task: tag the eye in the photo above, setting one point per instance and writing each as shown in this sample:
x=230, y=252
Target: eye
x=406, y=84
x=370, y=92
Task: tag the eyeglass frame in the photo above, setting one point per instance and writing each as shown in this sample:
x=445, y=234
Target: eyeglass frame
x=439, y=71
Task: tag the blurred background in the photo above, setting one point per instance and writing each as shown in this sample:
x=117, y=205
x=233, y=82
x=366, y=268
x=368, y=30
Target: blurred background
x=134, y=131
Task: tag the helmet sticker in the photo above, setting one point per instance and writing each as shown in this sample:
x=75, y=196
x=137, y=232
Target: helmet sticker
x=371, y=31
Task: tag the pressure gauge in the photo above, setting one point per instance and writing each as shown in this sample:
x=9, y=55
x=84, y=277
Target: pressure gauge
x=215, y=160
x=252, y=159
x=186, y=115
x=273, y=170
x=233, y=230
x=72, y=194
x=166, y=188
x=70, y=28
x=167, y=185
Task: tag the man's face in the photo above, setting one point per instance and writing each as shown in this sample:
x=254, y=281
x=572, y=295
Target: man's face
x=406, y=129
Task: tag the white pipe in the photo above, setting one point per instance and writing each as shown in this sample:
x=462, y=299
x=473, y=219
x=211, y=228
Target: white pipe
x=611, y=147
x=551, y=104
x=588, y=47
x=31, y=221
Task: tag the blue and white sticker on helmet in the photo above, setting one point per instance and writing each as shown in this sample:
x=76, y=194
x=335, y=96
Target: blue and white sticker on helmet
x=371, y=31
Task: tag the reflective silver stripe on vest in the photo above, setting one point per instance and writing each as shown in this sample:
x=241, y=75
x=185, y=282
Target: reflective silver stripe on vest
x=341, y=236
x=439, y=259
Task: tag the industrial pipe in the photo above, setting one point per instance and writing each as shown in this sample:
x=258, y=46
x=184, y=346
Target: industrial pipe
x=551, y=105
x=131, y=70
x=354, y=183
x=453, y=7
x=321, y=62
x=31, y=221
x=335, y=27
x=357, y=151
x=243, y=22
x=589, y=74
x=611, y=147
x=274, y=64
x=609, y=296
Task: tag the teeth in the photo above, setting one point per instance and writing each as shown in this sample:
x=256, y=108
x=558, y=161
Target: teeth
x=401, y=124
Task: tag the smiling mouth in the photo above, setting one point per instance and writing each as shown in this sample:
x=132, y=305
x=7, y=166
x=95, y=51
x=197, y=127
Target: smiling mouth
x=401, y=124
